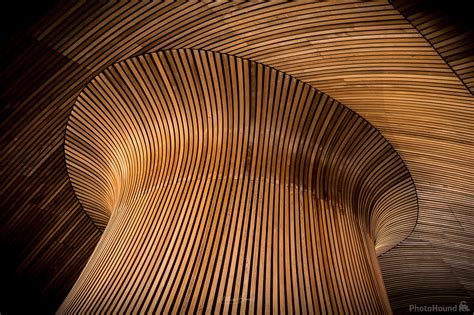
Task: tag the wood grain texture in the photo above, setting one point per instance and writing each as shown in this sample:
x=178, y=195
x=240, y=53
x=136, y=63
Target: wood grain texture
x=453, y=39
x=365, y=55
x=230, y=186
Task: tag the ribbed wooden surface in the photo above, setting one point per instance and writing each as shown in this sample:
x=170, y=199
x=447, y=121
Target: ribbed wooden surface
x=231, y=187
x=365, y=55
x=452, y=39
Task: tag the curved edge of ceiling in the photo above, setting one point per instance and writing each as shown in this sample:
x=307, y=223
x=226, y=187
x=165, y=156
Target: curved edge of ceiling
x=452, y=40
x=100, y=212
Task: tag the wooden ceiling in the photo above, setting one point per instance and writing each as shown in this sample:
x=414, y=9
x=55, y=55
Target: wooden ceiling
x=228, y=185
x=404, y=68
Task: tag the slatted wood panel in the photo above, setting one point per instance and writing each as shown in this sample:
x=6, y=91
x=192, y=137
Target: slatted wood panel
x=412, y=273
x=365, y=55
x=231, y=187
x=45, y=236
x=452, y=39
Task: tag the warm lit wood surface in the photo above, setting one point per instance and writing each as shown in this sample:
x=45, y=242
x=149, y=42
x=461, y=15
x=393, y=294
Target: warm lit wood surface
x=231, y=187
x=365, y=55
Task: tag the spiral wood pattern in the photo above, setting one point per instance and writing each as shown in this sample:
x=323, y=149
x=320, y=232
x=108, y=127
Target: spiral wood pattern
x=230, y=186
x=400, y=69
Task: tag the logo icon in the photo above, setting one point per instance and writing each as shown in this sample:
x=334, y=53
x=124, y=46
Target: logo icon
x=463, y=307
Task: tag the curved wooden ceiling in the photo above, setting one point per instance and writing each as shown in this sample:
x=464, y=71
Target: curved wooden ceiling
x=411, y=86
x=239, y=173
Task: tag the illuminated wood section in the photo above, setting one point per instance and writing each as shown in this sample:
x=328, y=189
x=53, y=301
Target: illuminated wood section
x=389, y=61
x=230, y=186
